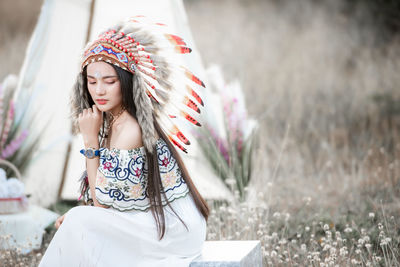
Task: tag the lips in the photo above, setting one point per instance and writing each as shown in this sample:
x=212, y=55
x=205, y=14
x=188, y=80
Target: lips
x=101, y=101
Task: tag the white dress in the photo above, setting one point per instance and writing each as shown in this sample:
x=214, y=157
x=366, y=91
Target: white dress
x=125, y=234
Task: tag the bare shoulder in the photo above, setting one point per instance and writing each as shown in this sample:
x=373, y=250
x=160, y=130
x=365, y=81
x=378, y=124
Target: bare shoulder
x=128, y=135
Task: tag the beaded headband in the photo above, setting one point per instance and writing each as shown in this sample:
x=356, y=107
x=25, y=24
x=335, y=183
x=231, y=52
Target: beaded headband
x=162, y=88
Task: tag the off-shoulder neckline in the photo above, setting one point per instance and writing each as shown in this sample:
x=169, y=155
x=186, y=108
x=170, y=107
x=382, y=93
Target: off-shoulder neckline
x=128, y=150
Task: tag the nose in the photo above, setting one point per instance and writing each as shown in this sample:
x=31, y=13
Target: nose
x=100, y=89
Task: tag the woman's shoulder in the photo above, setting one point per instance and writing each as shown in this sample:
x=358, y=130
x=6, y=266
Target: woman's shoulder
x=128, y=135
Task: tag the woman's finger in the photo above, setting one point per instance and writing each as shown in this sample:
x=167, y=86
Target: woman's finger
x=95, y=110
x=59, y=221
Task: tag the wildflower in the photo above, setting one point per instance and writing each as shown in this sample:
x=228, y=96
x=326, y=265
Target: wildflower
x=385, y=241
x=329, y=235
x=282, y=241
x=303, y=247
x=371, y=215
x=343, y=251
x=326, y=247
x=326, y=227
x=382, y=234
x=368, y=246
x=307, y=229
x=232, y=211
x=363, y=231
x=276, y=215
x=348, y=230
x=358, y=251
x=380, y=226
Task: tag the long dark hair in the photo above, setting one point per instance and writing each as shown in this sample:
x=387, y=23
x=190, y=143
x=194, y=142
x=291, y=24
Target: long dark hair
x=154, y=183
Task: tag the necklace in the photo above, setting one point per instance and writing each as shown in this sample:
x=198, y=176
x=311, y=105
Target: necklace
x=113, y=119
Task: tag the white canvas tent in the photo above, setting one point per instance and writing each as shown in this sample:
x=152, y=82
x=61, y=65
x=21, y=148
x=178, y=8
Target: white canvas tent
x=49, y=71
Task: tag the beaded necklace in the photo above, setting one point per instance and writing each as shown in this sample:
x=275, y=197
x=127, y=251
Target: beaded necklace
x=113, y=119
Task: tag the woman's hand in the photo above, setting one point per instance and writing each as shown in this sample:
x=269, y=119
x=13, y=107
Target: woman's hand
x=90, y=121
x=97, y=204
x=59, y=221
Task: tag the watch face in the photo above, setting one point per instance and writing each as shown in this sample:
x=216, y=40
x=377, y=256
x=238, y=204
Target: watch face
x=89, y=153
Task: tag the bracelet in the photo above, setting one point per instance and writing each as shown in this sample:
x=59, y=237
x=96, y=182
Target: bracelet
x=90, y=152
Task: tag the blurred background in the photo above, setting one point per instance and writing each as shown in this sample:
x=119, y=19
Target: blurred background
x=321, y=78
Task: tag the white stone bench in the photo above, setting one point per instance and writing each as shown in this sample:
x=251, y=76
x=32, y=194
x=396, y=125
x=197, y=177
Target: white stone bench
x=230, y=254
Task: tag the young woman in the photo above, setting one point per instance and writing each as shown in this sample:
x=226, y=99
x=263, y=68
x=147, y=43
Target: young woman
x=146, y=210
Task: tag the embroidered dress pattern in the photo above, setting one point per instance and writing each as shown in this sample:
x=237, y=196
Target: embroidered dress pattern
x=121, y=180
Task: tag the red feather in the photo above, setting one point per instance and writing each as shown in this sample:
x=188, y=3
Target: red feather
x=175, y=39
x=195, y=95
x=183, y=49
x=190, y=118
x=177, y=144
x=192, y=77
x=151, y=96
x=180, y=135
x=188, y=102
x=183, y=138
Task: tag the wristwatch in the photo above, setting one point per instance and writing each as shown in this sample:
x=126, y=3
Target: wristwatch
x=90, y=152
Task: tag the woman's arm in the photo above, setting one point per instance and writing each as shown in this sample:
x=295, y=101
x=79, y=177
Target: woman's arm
x=91, y=168
x=89, y=123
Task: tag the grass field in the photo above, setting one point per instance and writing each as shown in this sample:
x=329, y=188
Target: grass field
x=324, y=87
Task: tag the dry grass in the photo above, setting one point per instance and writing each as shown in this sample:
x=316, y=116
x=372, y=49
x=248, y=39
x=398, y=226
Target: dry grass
x=327, y=98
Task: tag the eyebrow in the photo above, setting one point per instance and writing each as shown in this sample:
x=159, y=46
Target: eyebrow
x=104, y=77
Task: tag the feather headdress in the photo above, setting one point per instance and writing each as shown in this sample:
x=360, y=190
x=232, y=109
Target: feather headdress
x=163, y=89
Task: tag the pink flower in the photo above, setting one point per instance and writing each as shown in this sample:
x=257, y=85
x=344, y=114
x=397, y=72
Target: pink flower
x=107, y=165
x=137, y=172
